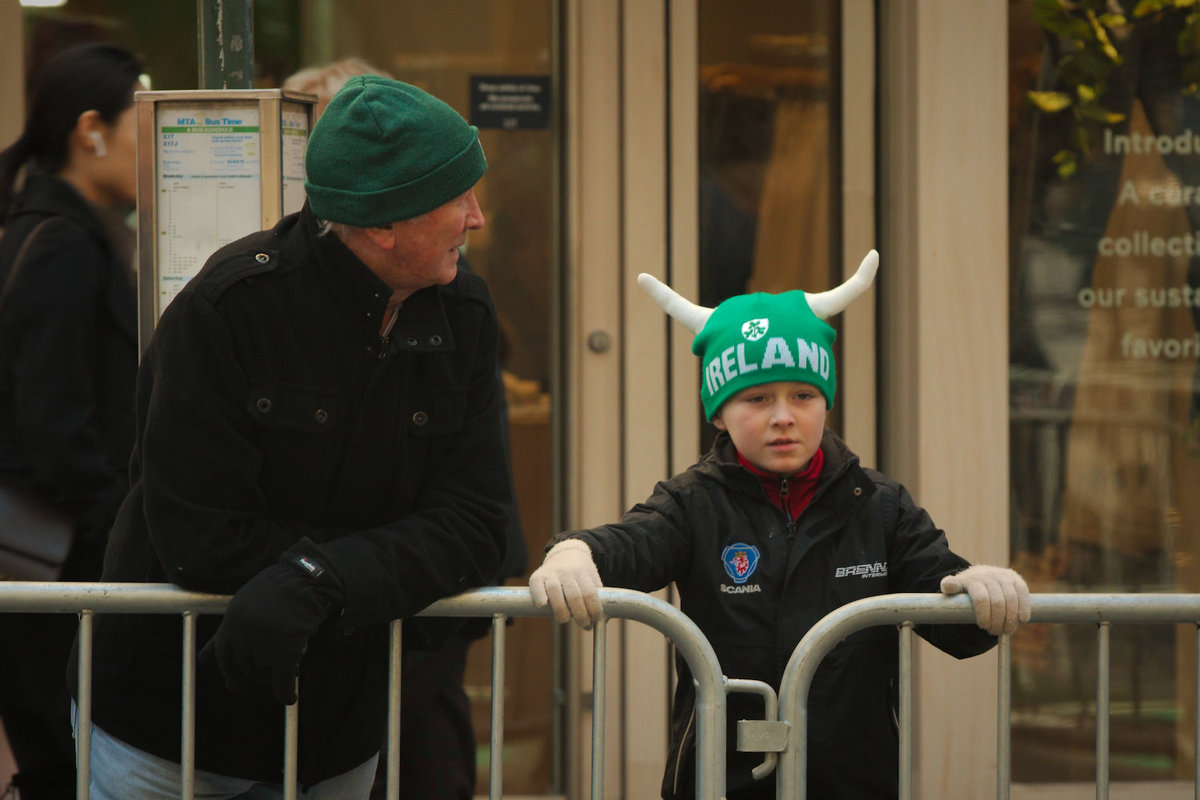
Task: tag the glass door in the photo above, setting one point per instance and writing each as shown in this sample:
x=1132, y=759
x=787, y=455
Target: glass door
x=495, y=62
x=498, y=72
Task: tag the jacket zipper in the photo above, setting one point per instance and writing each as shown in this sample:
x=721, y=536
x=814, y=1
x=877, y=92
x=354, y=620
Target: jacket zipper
x=385, y=337
x=784, y=497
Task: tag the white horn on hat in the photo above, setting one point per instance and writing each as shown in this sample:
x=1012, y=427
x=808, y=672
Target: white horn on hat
x=685, y=312
x=839, y=298
x=823, y=304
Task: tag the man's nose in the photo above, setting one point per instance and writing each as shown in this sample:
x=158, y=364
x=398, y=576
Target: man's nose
x=475, y=218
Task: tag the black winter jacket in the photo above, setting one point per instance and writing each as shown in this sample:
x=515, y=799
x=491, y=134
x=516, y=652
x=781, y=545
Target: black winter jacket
x=755, y=582
x=269, y=409
x=68, y=358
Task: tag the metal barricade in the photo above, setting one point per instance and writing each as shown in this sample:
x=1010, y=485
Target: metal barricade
x=905, y=610
x=89, y=599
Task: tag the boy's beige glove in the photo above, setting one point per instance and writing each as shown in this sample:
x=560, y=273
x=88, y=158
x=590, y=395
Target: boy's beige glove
x=999, y=594
x=567, y=580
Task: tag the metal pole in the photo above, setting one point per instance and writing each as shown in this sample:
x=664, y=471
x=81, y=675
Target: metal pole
x=395, y=651
x=1196, y=722
x=83, y=707
x=906, y=710
x=291, y=747
x=1004, y=719
x=226, y=43
x=496, y=774
x=599, y=677
x=1103, y=679
x=187, y=757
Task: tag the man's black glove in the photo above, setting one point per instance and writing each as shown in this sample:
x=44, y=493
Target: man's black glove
x=266, y=629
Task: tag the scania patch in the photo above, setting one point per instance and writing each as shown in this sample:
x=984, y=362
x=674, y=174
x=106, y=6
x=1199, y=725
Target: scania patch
x=740, y=561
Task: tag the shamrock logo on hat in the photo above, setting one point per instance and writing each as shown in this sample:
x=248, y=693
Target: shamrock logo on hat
x=755, y=329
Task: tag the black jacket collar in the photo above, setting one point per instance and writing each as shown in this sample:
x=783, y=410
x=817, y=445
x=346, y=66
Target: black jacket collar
x=46, y=195
x=363, y=295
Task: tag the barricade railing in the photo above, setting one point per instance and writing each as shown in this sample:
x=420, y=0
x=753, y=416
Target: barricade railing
x=907, y=610
x=88, y=599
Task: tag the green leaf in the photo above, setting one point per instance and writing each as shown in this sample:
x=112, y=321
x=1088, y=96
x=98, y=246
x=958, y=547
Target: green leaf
x=1102, y=115
x=1067, y=166
x=1147, y=7
x=1050, y=102
x=1101, y=34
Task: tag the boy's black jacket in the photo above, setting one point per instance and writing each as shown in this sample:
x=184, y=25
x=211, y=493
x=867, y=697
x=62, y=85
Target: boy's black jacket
x=862, y=535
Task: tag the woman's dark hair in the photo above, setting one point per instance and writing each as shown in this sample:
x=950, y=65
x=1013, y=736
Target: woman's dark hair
x=98, y=76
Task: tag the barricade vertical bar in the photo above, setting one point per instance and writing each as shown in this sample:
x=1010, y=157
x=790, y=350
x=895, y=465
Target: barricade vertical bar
x=83, y=708
x=1004, y=718
x=291, y=747
x=496, y=776
x=906, y=707
x=1196, y=723
x=1102, y=709
x=187, y=736
x=395, y=650
x=599, y=678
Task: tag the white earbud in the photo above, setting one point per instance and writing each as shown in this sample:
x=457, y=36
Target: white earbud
x=98, y=141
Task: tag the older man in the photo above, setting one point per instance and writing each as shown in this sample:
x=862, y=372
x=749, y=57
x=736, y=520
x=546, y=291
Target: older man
x=319, y=434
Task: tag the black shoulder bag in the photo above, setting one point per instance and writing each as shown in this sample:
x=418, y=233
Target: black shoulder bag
x=34, y=537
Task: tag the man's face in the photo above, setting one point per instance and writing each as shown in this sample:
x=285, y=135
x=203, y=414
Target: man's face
x=426, y=251
x=776, y=426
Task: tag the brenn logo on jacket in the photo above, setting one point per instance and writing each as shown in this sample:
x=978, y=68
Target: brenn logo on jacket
x=776, y=353
x=876, y=570
x=740, y=560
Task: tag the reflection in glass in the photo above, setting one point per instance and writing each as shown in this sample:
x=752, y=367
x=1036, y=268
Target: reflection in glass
x=767, y=171
x=1104, y=210
x=425, y=44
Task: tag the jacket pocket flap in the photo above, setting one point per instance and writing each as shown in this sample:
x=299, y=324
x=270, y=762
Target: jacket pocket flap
x=300, y=408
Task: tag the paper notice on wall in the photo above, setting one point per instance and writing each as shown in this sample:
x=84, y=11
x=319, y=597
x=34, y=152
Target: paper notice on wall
x=208, y=189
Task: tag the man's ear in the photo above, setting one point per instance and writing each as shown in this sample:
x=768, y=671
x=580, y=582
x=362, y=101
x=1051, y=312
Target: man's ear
x=718, y=422
x=382, y=236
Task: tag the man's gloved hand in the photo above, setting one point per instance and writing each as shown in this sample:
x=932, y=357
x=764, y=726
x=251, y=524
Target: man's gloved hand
x=267, y=626
x=567, y=580
x=999, y=594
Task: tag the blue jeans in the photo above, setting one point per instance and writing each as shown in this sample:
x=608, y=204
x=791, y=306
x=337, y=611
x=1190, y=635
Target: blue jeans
x=122, y=772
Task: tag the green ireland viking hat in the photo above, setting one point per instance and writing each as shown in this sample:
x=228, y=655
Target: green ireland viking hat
x=761, y=338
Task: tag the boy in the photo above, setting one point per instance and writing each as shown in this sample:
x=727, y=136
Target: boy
x=777, y=526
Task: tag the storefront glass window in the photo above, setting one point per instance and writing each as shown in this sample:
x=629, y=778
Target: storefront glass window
x=1104, y=148
x=768, y=168
x=448, y=48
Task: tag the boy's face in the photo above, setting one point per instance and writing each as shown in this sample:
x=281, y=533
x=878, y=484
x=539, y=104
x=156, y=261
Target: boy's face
x=775, y=426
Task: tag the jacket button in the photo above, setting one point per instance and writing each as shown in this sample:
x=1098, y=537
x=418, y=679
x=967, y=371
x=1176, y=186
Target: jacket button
x=263, y=405
x=321, y=416
x=412, y=341
x=858, y=491
x=435, y=340
x=262, y=258
x=420, y=418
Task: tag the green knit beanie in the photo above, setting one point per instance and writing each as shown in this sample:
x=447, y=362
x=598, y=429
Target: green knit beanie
x=385, y=151
x=761, y=338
